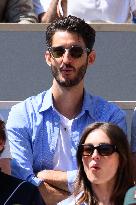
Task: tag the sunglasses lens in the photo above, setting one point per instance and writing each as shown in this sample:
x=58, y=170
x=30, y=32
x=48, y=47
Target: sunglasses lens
x=106, y=149
x=76, y=51
x=57, y=52
x=103, y=149
x=87, y=150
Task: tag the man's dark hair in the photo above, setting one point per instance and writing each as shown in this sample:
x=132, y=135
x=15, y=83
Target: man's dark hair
x=74, y=25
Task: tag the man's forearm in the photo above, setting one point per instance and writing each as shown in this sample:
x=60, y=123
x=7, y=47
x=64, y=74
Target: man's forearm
x=55, y=178
x=50, y=14
x=52, y=195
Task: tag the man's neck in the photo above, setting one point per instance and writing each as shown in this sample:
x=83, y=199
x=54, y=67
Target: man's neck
x=68, y=101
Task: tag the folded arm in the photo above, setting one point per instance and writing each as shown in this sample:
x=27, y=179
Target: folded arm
x=52, y=195
x=55, y=178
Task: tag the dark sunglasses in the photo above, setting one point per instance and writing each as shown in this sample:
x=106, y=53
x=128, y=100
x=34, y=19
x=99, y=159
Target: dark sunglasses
x=102, y=149
x=74, y=51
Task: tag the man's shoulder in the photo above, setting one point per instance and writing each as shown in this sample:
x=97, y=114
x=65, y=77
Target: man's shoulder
x=32, y=101
x=101, y=103
x=103, y=109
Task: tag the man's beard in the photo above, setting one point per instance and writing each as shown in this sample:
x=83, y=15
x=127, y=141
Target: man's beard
x=69, y=82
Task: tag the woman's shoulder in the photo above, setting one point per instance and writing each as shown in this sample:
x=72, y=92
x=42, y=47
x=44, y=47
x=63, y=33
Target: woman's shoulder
x=71, y=200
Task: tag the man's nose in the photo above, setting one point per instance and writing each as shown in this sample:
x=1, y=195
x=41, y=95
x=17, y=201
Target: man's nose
x=66, y=56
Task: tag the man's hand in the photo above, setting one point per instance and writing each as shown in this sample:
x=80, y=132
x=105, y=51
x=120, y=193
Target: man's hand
x=52, y=195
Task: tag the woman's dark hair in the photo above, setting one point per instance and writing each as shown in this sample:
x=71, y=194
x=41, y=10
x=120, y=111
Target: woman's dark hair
x=74, y=25
x=124, y=178
x=2, y=132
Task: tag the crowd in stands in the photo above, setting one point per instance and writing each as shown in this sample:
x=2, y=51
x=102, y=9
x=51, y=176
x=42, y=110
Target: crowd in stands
x=45, y=11
x=65, y=145
x=106, y=11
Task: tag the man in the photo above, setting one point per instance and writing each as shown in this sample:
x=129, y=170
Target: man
x=44, y=130
x=13, y=190
x=17, y=11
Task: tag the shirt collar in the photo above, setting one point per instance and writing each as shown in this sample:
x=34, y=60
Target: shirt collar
x=47, y=102
x=88, y=104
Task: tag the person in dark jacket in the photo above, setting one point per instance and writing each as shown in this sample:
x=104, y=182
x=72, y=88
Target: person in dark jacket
x=17, y=11
x=14, y=190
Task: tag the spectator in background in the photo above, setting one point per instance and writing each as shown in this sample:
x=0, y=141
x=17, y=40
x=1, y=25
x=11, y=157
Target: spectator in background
x=48, y=10
x=117, y=11
x=17, y=11
x=104, y=165
x=44, y=130
x=13, y=190
x=130, y=197
x=5, y=157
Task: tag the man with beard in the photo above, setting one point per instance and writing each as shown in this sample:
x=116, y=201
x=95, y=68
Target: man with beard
x=44, y=130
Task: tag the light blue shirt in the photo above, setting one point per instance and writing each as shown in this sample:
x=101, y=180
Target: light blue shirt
x=33, y=129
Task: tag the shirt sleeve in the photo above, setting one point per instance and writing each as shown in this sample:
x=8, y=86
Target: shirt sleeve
x=133, y=5
x=19, y=132
x=41, y=6
x=71, y=176
x=117, y=116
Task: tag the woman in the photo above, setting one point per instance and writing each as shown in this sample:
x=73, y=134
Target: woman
x=105, y=169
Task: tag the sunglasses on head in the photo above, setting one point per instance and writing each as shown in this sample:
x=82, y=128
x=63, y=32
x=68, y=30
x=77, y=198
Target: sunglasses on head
x=102, y=149
x=74, y=51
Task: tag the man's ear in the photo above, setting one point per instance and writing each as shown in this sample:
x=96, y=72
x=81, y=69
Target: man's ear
x=47, y=57
x=91, y=57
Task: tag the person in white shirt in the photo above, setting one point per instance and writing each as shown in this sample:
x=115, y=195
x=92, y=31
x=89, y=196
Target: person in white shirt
x=121, y=11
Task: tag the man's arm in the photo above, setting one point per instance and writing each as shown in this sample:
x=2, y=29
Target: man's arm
x=55, y=178
x=52, y=195
x=18, y=129
x=50, y=14
x=20, y=11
